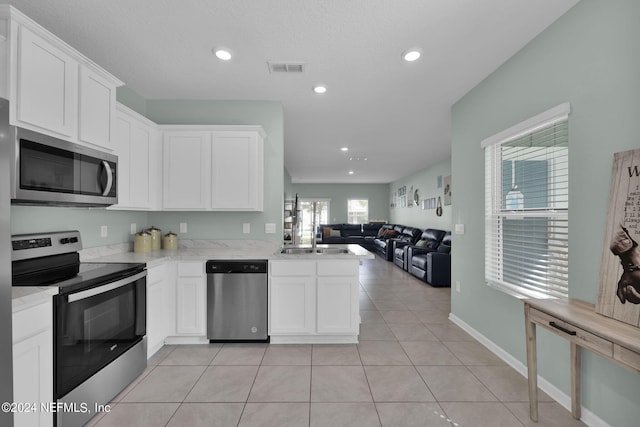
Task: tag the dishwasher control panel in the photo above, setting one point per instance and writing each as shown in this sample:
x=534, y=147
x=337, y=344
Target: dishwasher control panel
x=240, y=266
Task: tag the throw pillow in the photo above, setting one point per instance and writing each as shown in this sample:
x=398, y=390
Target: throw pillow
x=326, y=231
x=389, y=234
x=335, y=233
x=381, y=232
x=421, y=243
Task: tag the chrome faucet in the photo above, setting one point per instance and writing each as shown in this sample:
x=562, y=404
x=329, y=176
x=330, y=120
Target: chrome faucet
x=313, y=226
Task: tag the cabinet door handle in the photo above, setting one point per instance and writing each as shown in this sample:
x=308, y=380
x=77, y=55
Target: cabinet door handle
x=565, y=330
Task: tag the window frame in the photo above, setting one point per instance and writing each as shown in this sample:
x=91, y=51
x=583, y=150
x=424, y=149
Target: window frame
x=349, y=211
x=494, y=236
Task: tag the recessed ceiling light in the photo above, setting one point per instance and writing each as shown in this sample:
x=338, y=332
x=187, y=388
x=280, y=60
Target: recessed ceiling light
x=345, y=149
x=351, y=172
x=320, y=88
x=412, y=54
x=222, y=53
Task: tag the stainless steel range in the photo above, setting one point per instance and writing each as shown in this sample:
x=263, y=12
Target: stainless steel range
x=99, y=319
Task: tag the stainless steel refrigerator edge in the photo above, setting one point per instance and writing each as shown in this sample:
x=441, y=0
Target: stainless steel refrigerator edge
x=6, y=343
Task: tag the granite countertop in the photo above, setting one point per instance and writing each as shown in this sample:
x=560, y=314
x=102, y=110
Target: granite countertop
x=189, y=250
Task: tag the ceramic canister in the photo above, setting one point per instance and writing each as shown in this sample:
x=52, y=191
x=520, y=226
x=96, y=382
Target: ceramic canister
x=142, y=242
x=170, y=242
x=156, y=238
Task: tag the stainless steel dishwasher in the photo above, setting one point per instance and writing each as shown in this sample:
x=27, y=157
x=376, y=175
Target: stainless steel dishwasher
x=237, y=300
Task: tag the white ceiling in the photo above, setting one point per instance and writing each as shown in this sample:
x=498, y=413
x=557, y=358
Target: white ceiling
x=396, y=114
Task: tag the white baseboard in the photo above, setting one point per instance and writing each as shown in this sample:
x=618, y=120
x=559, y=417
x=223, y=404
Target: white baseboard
x=555, y=393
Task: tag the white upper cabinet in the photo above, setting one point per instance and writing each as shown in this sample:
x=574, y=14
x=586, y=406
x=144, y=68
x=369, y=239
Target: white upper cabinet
x=53, y=88
x=46, y=87
x=218, y=168
x=186, y=184
x=237, y=174
x=138, y=145
x=97, y=109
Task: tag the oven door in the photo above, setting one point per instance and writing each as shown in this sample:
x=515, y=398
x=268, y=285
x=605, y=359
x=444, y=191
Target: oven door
x=95, y=326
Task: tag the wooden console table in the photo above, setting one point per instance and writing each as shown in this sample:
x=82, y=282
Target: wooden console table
x=578, y=322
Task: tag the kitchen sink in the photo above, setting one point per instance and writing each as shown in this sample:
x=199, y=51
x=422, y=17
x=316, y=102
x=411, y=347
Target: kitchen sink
x=296, y=251
x=318, y=251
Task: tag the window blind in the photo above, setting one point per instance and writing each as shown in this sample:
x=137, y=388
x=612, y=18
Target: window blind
x=526, y=212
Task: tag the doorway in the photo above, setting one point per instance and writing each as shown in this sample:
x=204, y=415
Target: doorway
x=306, y=217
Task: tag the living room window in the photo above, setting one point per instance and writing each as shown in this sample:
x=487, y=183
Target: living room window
x=527, y=205
x=358, y=211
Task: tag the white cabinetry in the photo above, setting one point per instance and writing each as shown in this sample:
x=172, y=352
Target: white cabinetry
x=217, y=168
x=97, y=109
x=313, y=301
x=53, y=88
x=237, y=177
x=139, y=161
x=33, y=363
x=46, y=87
x=291, y=297
x=160, y=303
x=186, y=184
x=191, y=313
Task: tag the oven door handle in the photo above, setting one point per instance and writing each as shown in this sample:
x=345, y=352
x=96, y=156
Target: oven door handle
x=106, y=288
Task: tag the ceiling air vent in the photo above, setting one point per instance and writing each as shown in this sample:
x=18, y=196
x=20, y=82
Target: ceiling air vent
x=286, y=67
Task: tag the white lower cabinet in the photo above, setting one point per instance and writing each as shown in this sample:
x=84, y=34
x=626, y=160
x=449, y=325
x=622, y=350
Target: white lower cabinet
x=159, y=304
x=191, y=301
x=313, y=301
x=33, y=363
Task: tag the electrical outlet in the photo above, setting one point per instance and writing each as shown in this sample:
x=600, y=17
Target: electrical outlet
x=246, y=228
x=104, y=231
x=269, y=228
x=134, y=228
x=458, y=286
x=183, y=227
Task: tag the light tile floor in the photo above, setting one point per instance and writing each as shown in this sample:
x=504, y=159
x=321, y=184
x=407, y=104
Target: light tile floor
x=412, y=367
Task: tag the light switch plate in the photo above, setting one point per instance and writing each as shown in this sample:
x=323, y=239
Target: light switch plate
x=459, y=228
x=183, y=227
x=270, y=228
x=246, y=228
x=104, y=231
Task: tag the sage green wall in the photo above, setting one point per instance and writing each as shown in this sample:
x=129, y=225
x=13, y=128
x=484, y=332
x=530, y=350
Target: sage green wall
x=377, y=194
x=590, y=58
x=426, y=181
x=32, y=219
x=131, y=99
x=228, y=225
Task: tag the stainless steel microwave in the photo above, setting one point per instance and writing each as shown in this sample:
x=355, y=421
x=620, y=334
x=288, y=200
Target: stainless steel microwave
x=50, y=171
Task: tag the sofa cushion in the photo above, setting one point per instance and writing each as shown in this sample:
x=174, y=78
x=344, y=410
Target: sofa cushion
x=351, y=230
x=445, y=249
x=371, y=229
x=419, y=261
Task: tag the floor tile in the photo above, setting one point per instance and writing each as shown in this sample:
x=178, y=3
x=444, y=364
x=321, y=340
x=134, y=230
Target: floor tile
x=399, y=316
x=240, y=354
x=224, y=384
x=454, y=384
x=160, y=355
x=282, y=384
x=289, y=354
x=207, y=415
x=411, y=332
x=492, y=414
x=397, y=384
x=131, y=386
x=339, y=384
x=139, y=414
x=429, y=353
x=382, y=353
x=449, y=332
x=387, y=304
x=165, y=384
x=275, y=415
x=473, y=353
x=344, y=415
x=432, y=316
x=192, y=355
x=375, y=332
x=505, y=383
x=550, y=414
x=335, y=354
x=412, y=415
x=371, y=316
